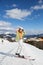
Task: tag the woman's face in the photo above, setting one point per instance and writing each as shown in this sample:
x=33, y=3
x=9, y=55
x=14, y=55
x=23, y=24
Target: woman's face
x=20, y=30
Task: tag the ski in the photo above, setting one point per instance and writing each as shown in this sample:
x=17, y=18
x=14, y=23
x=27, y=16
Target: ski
x=24, y=57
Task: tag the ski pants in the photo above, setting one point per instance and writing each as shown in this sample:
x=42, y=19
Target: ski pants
x=20, y=46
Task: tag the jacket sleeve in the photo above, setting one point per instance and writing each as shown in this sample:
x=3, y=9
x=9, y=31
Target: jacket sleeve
x=23, y=34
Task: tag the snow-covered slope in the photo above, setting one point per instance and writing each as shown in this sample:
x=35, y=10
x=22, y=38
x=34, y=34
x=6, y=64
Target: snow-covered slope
x=8, y=49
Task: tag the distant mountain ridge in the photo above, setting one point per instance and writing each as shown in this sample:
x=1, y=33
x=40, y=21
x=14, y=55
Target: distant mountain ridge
x=27, y=36
x=34, y=35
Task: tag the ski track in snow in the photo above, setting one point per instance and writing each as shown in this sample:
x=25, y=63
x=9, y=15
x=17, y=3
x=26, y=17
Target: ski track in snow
x=8, y=49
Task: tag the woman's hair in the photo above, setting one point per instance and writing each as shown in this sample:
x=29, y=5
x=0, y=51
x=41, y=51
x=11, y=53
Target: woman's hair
x=20, y=29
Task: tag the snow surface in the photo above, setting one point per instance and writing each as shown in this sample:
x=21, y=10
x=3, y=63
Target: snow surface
x=8, y=50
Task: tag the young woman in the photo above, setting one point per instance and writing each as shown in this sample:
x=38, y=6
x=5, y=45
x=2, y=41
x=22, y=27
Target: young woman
x=19, y=38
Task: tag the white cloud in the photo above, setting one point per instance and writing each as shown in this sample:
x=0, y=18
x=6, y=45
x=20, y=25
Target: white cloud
x=37, y=7
x=17, y=13
x=14, y=5
x=5, y=26
x=3, y=23
x=40, y=1
x=34, y=32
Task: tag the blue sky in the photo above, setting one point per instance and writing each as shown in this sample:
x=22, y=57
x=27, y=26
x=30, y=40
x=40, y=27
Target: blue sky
x=25, y=13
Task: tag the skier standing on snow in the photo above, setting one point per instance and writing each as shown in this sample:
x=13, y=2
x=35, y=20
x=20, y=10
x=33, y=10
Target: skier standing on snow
x=19, y=38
